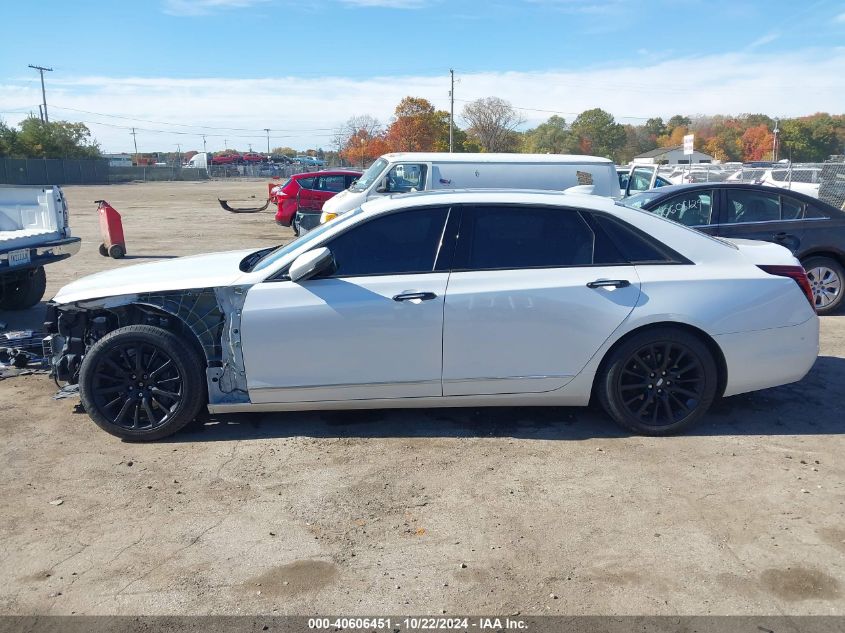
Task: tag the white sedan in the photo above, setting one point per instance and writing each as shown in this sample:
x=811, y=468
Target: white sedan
x=473, y=298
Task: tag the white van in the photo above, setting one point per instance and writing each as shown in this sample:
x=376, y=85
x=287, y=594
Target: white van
x=408, y=172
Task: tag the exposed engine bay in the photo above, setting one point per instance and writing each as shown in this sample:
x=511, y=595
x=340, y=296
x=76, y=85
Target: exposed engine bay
x=207, y=319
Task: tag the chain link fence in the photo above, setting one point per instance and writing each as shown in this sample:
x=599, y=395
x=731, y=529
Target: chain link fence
x=53, y=171
x=825, y=181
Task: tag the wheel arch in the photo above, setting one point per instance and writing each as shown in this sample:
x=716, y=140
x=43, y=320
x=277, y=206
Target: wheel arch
x=823, y=252
x=704, y=337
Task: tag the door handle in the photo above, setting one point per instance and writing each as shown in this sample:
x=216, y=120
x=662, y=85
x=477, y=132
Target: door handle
x=609, y=283
x=780, y=237
x=410, y=296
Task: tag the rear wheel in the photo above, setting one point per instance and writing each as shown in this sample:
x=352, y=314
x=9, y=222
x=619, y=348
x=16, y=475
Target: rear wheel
x=826, y=277
x=141, y=383
x=24, y=290
x=658, y=382
x=116, y=251
x=103, y=250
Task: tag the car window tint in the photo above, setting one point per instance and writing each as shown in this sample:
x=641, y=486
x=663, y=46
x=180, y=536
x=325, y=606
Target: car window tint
x=791, y=209
x=812, y=211
x=752, y=206
x=690, y=209
x=399, y=243
x=633, y=245
x=406, y=177
x=331, y=183
x=523, y=237
x=306, y=183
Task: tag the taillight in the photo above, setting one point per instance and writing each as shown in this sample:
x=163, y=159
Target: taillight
x=796, y=273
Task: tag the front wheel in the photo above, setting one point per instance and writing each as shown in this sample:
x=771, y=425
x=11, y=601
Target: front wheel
x=141, y=383
x=658, y=382
x=826, y=277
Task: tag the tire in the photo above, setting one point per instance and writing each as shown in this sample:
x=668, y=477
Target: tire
x=116, y=251
x=635, y=389
x=294, y=227
x=827, y=279
x=103, y=250
x=172, y=392
x=24, y=291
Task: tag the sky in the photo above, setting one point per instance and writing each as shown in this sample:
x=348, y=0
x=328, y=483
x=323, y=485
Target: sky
x=176, y=70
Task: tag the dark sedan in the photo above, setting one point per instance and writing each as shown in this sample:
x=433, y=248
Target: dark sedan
x=813, y=230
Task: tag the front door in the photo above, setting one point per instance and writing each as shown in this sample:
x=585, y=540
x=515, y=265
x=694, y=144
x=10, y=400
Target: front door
x=371, y=329
x=533, y=294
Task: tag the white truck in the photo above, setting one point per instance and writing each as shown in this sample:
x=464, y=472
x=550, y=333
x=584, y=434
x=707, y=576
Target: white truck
x=34, y=232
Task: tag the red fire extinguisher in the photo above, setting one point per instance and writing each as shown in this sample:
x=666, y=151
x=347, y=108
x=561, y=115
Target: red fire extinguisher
x=111, y=230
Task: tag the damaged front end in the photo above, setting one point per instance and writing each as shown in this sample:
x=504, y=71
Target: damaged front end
x=207, y=319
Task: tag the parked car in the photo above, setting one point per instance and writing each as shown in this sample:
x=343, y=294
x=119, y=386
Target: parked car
x=644, y=178
x=309, y=191
x=405, y=172
x=225, y=159
x=253, y=158
x=813, y=230
x=539, y=299
x=34, y=232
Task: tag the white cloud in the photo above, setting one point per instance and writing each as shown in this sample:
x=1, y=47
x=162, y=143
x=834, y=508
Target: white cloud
x=299, y=110
x=840, y=18
x=204, y=7
x=768, y=38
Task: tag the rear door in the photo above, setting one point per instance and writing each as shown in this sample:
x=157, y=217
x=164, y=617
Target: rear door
x=762, y=215
x=533, y=294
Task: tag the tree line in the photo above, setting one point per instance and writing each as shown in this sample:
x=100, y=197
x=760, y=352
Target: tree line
x=57, y=139
x=491, y=125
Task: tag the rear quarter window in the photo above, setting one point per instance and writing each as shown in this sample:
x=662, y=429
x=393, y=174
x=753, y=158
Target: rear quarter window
x=634, y=245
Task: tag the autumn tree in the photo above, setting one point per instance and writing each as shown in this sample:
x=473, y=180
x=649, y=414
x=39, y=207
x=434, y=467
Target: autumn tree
x=596, y=132
x=757, y=143
x=415, y=126
x=493, y=122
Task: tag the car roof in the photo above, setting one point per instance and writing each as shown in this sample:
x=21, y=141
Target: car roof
x=327, y=172
x=489, y=196
x=445, y=157
x=664, y=191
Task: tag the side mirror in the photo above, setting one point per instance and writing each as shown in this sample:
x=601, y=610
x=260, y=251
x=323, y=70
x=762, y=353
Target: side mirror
x=383, y=186
x=310, y=264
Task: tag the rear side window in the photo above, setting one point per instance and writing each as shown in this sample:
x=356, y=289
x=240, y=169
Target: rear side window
x=306, y=183
x=751, y=206
x=791, y=209
x=513, y=237
x=635, y=246
x=331, y=183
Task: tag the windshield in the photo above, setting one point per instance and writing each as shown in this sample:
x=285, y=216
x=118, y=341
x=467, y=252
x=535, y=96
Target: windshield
x=369, y=176
x=302, y=242
x=637, y=200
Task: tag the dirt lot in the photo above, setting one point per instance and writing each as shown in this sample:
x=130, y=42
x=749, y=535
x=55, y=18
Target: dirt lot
x=414, y=512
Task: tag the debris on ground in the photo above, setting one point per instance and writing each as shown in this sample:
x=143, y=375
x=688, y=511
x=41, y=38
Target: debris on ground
x=68, y=391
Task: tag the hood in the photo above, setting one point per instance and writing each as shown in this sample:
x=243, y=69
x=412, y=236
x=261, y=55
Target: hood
x=344, y=201
x=197, y=271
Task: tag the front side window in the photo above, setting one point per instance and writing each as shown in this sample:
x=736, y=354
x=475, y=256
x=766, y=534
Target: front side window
x=502, y=237
x=400, y=243
x=690, y=209
x=752, y=206
x=406, y=177
x=641, y=179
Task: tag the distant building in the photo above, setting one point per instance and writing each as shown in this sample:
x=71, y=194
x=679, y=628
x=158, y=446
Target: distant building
x=671, y=156
x=119, y=160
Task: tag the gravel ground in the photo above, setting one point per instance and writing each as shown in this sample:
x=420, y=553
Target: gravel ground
x=469, y=511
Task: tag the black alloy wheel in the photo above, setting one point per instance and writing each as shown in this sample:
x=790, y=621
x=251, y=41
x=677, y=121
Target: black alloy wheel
x=141, y=382
x=658, y=382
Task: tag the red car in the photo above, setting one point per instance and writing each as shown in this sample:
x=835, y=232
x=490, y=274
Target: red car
x=252, y=158
x=309, y=190
x=225, y=159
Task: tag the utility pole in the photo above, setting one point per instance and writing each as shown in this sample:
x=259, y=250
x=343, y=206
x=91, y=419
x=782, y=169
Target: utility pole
x=178, y=154
x=775, y=142
x=203, y=145
x=135, y=141
x=41, y=70
x=267, y=129
x=250, y=148
x=451, y=110
x=225, y=144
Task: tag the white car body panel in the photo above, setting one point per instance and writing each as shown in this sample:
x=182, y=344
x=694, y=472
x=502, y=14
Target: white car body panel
x=181, y=273
x=349, y=339
x=486, y=308
x=345, y=343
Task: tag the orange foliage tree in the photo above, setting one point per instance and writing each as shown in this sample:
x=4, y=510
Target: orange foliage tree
x=757, y=143
x=416, y=128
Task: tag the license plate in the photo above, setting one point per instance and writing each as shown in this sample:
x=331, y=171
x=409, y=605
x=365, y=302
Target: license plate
x=19, y=257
